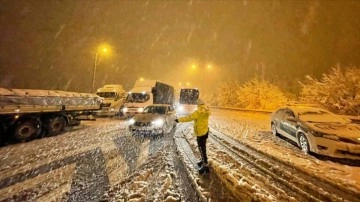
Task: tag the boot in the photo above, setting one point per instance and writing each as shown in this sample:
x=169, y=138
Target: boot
x=204, y=169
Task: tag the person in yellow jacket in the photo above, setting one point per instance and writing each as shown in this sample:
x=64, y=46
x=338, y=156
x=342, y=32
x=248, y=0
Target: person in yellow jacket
x=201, y=131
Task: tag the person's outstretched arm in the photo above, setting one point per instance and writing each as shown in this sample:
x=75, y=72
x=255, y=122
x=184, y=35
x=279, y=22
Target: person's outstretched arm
x=191, y=117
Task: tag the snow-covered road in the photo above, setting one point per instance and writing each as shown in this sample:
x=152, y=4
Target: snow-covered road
x=100, y=161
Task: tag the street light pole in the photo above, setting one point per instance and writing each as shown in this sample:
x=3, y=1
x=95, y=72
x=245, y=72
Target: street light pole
x=94, y=71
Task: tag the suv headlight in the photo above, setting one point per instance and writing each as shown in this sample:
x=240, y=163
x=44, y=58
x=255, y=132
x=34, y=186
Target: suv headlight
x=140, y=109
x=158, y=122
x=125, y=109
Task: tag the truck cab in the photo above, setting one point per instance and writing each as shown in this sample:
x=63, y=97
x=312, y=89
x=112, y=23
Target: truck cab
x=113, y=98
x=146, y=93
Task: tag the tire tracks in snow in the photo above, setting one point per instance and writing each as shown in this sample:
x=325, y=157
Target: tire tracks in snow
x=281, y=176
x=207, y=187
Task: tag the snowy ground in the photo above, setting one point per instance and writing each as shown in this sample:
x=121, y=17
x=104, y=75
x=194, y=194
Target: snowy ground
x=100, y=161
x=244, y=127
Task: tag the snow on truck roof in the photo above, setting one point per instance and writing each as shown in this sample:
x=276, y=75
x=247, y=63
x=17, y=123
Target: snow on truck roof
x=148, y=83
x=145, y=83
x=42, y=93
x=113, y=86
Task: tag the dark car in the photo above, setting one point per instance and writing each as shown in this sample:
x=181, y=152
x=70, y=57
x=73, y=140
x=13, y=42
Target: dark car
x=155, y=119
x=317, y=130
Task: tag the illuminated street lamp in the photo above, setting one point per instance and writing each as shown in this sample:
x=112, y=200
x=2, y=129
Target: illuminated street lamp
x=141, y=79
x=209, y=67
x=101, y=50
x=193, y=66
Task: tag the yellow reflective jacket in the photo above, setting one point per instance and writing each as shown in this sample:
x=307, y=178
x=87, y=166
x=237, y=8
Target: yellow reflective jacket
x=200, y=118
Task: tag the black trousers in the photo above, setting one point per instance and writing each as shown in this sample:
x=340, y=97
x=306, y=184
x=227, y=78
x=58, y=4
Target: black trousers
x=201, y=141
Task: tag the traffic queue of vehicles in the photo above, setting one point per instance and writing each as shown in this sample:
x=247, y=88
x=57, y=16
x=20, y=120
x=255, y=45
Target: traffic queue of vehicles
x=27, y=114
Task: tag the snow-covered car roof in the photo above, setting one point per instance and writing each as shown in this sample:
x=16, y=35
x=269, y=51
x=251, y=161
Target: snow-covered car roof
x=303, y=109
x=307, y=113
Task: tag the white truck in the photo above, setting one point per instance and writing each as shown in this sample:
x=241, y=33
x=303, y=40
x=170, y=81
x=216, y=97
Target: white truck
x=188, y=100
x=114, y=97
x=145, y=93
x=26, y=114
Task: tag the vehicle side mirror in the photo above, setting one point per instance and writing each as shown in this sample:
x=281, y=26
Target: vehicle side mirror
x=290, y=118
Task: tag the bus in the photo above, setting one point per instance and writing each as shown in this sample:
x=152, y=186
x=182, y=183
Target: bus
x=187, y=101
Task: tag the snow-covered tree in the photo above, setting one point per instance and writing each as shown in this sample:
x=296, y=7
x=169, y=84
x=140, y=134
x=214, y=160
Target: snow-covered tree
x=338, y=91
x=260, y=94
x=228, y=96
x=210, y=98
x=254, y=94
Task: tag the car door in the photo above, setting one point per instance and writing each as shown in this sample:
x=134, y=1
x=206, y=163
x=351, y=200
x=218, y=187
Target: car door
x=288, y=124
x=277, y=118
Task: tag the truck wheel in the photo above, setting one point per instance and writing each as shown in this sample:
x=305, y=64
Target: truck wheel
x=26, y=131
x=55, y=126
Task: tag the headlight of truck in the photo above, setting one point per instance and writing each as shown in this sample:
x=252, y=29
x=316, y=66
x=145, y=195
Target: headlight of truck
x=140, y=109
x=112, y=109
x=180, y=108
x=125, y=109
x=158, y=122
x=131, y=121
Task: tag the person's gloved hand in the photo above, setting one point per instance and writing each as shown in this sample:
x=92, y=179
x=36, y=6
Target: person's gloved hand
x=176, y=120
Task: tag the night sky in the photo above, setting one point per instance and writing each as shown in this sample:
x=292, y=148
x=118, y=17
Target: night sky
x=51, y=44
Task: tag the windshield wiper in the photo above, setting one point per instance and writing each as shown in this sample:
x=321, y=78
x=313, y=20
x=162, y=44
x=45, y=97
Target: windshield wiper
x=314, y=122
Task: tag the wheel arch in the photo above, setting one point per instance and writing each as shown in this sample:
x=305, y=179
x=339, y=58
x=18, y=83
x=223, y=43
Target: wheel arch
x=310, y=142
x=18, y=119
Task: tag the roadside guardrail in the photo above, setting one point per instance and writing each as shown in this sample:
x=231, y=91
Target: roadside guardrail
x=354, y=119
x=243, y=109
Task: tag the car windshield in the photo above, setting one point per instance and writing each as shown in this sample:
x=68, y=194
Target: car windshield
x=321, y=116
x=137, y=97
x=106, y=94
x=155, y=110
x=189, y=96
